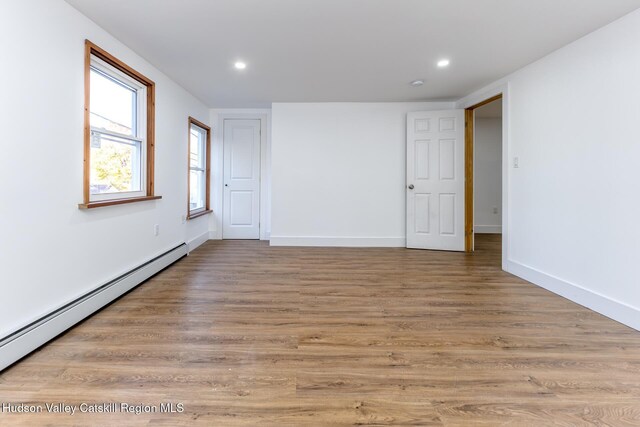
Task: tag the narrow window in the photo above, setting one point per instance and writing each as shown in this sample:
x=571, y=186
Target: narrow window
x=119, y=131
x=199, y=169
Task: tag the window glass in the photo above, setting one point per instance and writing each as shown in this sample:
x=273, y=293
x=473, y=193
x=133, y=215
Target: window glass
x=197, y=199
x=116, y=151
x=113, y=104
x=197, y=168
x=119, y=120
x=115, y=164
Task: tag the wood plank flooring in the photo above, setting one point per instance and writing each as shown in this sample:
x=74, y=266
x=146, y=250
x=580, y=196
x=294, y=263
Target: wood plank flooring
x=246, y=334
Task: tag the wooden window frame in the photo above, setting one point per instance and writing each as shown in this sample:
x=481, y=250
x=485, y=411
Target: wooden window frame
x=207, y=208
x=93, y=50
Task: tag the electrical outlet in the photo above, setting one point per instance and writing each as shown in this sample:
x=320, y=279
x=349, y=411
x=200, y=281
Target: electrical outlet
x=516, y=162
x=495, y=210
x=156, y=230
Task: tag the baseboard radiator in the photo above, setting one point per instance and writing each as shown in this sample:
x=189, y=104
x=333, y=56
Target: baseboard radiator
x=27, y=339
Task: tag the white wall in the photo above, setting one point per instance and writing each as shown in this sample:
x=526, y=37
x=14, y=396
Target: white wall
x=574, y=201
x=487, y=169
x=50, y=251
x=217, y=117
x=338, y=173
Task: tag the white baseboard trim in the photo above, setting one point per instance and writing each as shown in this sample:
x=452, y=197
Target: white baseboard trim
x=19, y=344
x=354, y=242
x=197, y=241
x=487, y=229
x=616, y=310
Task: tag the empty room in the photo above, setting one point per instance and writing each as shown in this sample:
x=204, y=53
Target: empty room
x=320, y=212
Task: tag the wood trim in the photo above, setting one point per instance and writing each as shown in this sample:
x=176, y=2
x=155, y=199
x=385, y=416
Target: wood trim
x=102, y=203
x=116, y=63
x=207, y=208
x=200, y=213
x=468, y=180
x=86, y=175
x=199, y=123
x=189, y=167
x=151, y=139
x=469, y=114
x=92, y=49
x=485, y=102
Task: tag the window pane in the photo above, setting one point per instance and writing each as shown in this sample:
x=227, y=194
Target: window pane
x=197, y=190
x=113, y=105
x=197, y=148
x=115, y=165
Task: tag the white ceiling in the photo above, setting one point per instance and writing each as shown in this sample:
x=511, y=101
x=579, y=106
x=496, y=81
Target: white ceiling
x=344, y=50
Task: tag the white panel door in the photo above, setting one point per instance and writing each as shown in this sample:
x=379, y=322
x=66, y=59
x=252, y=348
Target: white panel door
x=435, y=180
x=241, y=204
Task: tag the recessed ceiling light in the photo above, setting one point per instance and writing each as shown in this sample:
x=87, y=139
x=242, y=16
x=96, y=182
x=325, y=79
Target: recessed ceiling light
x=443, y=63
x=417, y=83
x=240, y=65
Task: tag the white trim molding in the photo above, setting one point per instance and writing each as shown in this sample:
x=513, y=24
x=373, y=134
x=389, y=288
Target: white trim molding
x=197, y=241
x=616, y=310
x=347, y=242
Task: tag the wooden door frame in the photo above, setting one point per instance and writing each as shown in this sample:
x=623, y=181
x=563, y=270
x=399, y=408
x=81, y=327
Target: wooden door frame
x=469, y=119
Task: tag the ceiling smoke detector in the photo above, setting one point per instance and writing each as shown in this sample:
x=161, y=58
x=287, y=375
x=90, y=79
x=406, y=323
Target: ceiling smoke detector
x=417, y=83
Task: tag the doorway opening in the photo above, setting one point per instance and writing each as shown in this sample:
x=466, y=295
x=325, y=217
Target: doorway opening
x=483, y=171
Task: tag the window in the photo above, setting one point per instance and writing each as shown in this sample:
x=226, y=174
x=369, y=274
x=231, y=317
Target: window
x=199, y=170
x=119, y=131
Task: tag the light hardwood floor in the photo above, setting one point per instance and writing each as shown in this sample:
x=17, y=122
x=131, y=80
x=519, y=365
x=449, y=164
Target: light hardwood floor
x=246, y=334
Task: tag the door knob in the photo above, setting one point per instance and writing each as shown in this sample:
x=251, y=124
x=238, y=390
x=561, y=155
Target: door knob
x=226, y=185
x=411, y=187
